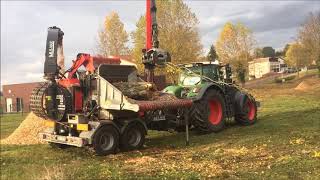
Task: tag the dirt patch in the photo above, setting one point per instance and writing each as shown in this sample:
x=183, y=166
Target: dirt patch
x=27, y=132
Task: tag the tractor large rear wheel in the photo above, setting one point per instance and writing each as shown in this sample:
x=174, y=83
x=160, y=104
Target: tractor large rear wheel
x=208, y=114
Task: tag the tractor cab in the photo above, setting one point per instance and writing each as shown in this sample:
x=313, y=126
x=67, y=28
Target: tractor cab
x=197, y=73
x=194, y=76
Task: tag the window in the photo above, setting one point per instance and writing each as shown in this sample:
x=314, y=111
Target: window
x=19, y=105
x=275, y=67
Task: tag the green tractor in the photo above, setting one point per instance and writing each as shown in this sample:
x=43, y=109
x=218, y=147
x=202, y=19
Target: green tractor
x=215, y=97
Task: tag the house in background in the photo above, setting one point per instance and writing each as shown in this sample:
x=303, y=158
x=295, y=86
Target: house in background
x=16, y=97
x=261, y=66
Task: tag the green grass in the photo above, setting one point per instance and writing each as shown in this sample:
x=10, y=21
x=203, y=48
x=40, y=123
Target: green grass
x=9, y=122
x=283, y=144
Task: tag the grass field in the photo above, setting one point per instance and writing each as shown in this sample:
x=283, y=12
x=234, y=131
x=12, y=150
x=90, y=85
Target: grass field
x=284, y=144
x=9, y=122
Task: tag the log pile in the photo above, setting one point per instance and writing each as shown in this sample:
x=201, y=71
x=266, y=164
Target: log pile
x=136, y=91
x=142, y=91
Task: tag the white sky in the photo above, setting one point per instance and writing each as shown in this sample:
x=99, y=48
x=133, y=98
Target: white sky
x=24, y=27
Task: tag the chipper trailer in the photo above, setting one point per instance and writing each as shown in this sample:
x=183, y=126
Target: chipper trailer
x=95, y=108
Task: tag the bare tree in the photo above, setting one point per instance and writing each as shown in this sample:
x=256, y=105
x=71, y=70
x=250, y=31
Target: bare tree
x=309, y=36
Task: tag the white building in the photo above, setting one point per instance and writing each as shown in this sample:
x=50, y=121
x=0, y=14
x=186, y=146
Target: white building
x=261, y=66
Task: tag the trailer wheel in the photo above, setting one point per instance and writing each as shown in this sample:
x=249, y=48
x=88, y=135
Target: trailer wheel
x=208, y=114
x=106, y=140
x=133, y=137
x=248, y=114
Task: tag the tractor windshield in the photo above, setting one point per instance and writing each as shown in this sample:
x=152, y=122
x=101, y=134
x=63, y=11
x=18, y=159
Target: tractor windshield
x=188, y=78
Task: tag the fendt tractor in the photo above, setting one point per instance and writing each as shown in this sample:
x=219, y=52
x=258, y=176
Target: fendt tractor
x=90, y=108
x=215, y=97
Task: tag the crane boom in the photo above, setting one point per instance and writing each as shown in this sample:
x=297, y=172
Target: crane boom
x=152, y=26
x=152, y=55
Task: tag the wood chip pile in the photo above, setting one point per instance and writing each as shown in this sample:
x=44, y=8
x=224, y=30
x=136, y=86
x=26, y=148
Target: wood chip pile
x=27, y=132
x=303, y=86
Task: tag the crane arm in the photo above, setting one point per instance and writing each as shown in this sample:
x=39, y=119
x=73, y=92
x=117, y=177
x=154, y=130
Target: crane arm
x=152, y=55
x=82, y=59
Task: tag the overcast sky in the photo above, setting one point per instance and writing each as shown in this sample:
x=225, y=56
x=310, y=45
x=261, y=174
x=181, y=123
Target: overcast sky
x=24, y=27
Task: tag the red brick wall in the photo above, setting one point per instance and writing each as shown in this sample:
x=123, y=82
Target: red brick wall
x=15, y=91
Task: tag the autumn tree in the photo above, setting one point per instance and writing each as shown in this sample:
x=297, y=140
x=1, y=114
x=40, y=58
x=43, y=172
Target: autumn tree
x=282, y=53
x=279, y=53
x=285, y=49
x=139, y=41
x=268, y=51
x=257, y=53
x=309, y=36
x=298, y=56
x=212, y=55
x=178, y=32
x=112, y=37
x=234, y=45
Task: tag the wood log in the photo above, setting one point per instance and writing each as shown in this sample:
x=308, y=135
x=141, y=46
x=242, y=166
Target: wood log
x=137, y=91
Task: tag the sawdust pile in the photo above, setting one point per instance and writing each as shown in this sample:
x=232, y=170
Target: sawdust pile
x=303, y=86
x=27, y=132
x=312, y=83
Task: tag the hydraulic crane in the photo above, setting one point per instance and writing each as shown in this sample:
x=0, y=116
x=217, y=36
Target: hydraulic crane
x=152, y=54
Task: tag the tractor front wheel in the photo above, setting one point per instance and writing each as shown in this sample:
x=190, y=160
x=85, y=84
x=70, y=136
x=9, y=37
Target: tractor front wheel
x=248, y=114
x=208, y=114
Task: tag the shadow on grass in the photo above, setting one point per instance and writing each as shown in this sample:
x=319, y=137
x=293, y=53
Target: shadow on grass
x=268, y=126
x=278, y=127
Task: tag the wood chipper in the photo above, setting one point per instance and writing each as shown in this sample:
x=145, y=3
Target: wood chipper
x=109, y=107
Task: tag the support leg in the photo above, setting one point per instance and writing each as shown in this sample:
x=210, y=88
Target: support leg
x=186, y=117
